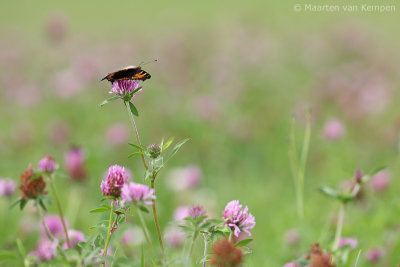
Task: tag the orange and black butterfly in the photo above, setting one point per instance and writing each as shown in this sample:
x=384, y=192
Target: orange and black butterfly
x=128, y=73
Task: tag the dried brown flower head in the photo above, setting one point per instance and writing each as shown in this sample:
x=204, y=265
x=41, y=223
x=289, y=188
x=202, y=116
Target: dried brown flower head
x=225, y=254
x=31, y=186
x=319, y=258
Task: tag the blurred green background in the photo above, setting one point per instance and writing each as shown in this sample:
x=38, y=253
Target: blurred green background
x=230, y=75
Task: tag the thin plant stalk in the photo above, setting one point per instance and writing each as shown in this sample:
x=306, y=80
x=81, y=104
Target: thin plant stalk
x=339, y=227
x=298, y=165
x=152, y=178
x=136, y=133
x=53, y=189
x=190, y=250
x=49, y=235
x=205, y=251
x=110, y=222
x=145, y=230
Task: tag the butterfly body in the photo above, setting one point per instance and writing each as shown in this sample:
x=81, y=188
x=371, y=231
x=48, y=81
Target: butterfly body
x=128, y=73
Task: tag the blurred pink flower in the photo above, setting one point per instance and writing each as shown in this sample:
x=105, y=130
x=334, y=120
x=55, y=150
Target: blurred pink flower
x=54, y=225
x=138, y=193
x=292, y=237
x=174, y=236
x=239, y=219
x=47, y=164
x=181, y=213
x=74, y=163
x=334, y=129
x=380, y=181
x=180, y=179
x=46, y=249
x=67, y=83
x=116, y=178
x=375, y=254
x=25, y=95
x=133, y=236
x=7, y=187
x=196, y=211
x=56, y=26
x=86, y=67
x=348, y=241
x=206, y=106
x=117, y=134
x=74, y=237
x=291, y=264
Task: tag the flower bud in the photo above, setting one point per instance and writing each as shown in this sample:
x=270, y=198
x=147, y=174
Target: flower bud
x=154, y=150
x=47, y=164
x=358, y=175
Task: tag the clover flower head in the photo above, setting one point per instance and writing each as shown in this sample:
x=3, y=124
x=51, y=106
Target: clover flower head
x=226, y=254
x=46, y=249
x=54, y=224
x=124, y=87
x=7, y=187
x=31, y=188
x=74, y=162
x=138, y=193
x=116, y=178
x=74, y=237
x=196, y=211
x=239, y=219
x=47, y=164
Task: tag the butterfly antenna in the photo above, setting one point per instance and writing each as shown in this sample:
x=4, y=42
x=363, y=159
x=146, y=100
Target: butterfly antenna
x=145, y=63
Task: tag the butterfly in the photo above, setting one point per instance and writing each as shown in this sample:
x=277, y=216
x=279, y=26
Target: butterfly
x=128, y=73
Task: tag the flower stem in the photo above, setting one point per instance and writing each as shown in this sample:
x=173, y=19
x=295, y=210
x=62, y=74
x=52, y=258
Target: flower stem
x=339, y=227
x=205, y=251
x=53, y=188
x=49, y=235
x=145, y=230
x=136, y=133
x=156, y=219
x=110, y=221
x=190, y=250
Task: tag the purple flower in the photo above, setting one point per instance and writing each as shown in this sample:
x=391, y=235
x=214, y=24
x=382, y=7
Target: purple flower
x=196, y=211
x=134, y=192
x=54, y=224
x=47, y=164
x=239, y=219
x=117, y=134
x=181, y=213
x=334, y=129
x=74, y=237
x=116, y=178
x=185, y=178
x=174, y=236
x=7, y=187
x=374, y=254
x=380, y=181
x=292, y=237
x=348, y=241
x=46, y=249
x=133, y=235
x=124, y=87
x=74, y=163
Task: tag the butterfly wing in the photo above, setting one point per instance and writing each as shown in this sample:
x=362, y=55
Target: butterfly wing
x=131, y=73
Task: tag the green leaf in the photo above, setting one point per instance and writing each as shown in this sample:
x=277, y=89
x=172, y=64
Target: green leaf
x=108, y=207
x=135, y=154
x=167, y=144
x=62, y=175
x=177, y=147
x=136, y=146
x=15, y=203
x=7, y=255
x=98, y=210
x=329, y=191
x=134, y=91
x=243, y=242
x=121, y=211
x=41, y=203
x=133, y=109
x=143, y=208
x=21, y=247
x=109, y=100
x=22, y=203
x=224, y=229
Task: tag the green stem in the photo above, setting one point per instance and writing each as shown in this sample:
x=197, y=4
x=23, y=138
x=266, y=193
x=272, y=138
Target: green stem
x=339, y=227
x=136, y=132
x=156, y=219
x=110, y=221
x=145, y=230
x=53, y=189
x=205, y=251
x=190, y=250
x=49, y=235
